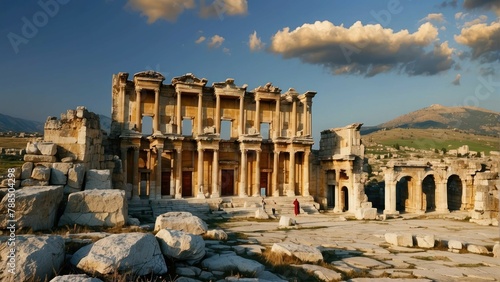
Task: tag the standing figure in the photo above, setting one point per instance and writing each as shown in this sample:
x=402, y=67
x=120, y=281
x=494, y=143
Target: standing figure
x=296, y=208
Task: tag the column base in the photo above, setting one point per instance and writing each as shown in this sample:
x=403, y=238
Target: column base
x=178, y=196
x=389, y=212
x=337, y=210
x=201, y=194
x=290, y=193
x=215, y=195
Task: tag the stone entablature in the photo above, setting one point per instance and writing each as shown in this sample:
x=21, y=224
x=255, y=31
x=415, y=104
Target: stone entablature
x=187, y=154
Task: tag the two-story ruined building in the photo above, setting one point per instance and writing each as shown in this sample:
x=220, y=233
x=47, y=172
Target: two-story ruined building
x=187, y=139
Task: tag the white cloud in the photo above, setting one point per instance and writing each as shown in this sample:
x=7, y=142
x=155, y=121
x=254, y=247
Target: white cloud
x=433, y=17
x=480, y=19
x=254, y=42
x=365, y=49
x=483, y=39
x=216, y=41
x=219, y=8
x=456, y=81
x=493, y=5
x=201, y=39
x=161, y=9
x=460, y=15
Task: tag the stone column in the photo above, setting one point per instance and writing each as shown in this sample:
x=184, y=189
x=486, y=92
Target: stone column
x=291, y=175
x=215, y=175
x=124, y=152
x=217, y=114
x=138, y=114
x=441, y=197
x=257, y=115
x=390, y=197
x=172, y=178
x=156, y=121
x=305, y=119
x=178, y=176
x=179, y=113
x=277, y=127
x=158, y=173
x=337, y=208
x=257, y=173
x=418, y=205
x=294, y=118
x=276, y=157
x=242, y=126
x=126, y=110
x=243, y=174
x=305, y=185
x=135, y=179
x=201, y=193
x=200, y=113
x=123, y=115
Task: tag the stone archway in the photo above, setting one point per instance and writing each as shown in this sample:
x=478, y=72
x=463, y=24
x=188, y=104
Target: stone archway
x=402, y=193
x=429, y=193
x=454, y=192
x=344, y=192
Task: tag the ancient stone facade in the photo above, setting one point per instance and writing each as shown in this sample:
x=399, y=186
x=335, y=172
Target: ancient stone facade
x=187, y=139
x=443, y=186
x=339, y=169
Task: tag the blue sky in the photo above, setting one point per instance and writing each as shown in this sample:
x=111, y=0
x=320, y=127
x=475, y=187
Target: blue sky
x=370, y=61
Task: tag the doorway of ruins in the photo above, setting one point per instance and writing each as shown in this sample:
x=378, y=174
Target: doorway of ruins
x=429, y=193
x=165, y=183
x=454, y=192
x=402, y=193
x=344, y=196
x=227, y=182
x=144, y=185
x=187, y=184
x=330, y=196
x=264, y=183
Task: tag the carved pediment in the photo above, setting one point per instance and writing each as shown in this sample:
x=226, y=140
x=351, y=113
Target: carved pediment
x=269, y=87
x=150, y=74
x=189, y=78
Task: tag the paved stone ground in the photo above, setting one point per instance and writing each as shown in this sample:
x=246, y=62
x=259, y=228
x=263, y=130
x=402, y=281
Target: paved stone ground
x=359, y=247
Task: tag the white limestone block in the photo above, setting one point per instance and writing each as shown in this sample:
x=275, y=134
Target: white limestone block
x=302, y=252
x=183, y=221
x=137, y=253
x=37, y=258
x=98, y=179
x=425, y=241
x=47, y=149
x=180, y=245
x=41, y=173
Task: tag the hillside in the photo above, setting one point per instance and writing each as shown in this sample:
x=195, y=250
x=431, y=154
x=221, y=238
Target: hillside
x=468, y=119
x=9, y=123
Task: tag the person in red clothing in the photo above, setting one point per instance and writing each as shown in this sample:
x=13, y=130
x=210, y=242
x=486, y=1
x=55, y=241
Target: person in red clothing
x=296, y=208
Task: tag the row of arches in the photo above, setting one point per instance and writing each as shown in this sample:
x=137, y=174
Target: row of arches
x=406, y=188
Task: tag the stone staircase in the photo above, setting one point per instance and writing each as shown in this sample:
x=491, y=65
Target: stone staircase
x=141, y=210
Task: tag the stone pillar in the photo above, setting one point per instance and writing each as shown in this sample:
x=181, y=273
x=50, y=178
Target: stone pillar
x=277, y=130
x=257, y=173
x=124, y=153
x=200, y=113
x=172, y=178
x=217, y=114
x=156, y=121
x=337, y=208
x=178, y=176
x=305, y=119
x=418, y=205
x=257, y=115
x=215, y=175
x=310, y=118
x=138, y=114
x=179, y=113
x=305, y=184
x=276, y=157
x=201, y=193
x=123, y=114
x=441, y=197
x=158, y=173
x=243, y=174
x=291, y=175
x=126, y=110
x=294, y=118
x=242, y=126
x=390, y=197
x=135, y=179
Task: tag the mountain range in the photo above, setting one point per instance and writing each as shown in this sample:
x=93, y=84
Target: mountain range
x=464, y=118
x=468, y=119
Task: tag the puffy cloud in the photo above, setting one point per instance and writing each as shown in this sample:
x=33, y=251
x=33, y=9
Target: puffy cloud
x=219, y=8
x=434, y=17
x=216, y=41
x=480, y=19
x=365, y=49
x=483, y=39
x=201, y=39
x=161, y=9
x=493, y=5
x=254, y=42
x=456, y=81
